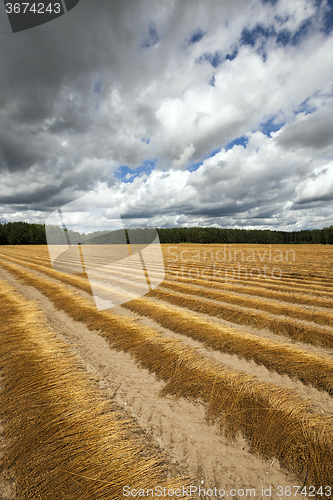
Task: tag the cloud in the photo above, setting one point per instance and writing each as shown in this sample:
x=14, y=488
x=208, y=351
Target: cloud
x=95, y=95
x=232, y=187
x=152, y=37
x=313, y=131
x=318, y=188
x=184, y=157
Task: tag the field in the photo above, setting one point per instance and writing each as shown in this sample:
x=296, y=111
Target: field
x=220, y=378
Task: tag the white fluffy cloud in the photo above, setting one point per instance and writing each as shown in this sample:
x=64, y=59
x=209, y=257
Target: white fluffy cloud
x=233, y=187
x=114, y=89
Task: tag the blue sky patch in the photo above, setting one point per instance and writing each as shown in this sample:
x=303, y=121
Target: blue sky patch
x=214, y=59
x=284, y=37
x=328, y=18
x=302, y=32
x=231, y=57
x=98, y=87
x=240, y=141
x=213, y=153
x=212, y=81
x=327, y=25
x=306, y=108
x=152, y=39
x=269, y=126
x=196, y=36
x=250, y=37
x=145, y=168
x=194, y=166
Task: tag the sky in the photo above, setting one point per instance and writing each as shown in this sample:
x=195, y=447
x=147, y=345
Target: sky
x=194, y=113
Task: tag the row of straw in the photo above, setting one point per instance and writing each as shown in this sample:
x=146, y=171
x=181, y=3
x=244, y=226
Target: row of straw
x=288, y=281
x=301, y=331
x=65, y=441
x=288, y=296
x=309, y=368
x=276, y=422
x=274, y=307
x=217, y=274
x=305, y=332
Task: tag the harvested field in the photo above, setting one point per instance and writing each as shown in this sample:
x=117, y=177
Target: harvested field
x=65, y=441
x=237, y=340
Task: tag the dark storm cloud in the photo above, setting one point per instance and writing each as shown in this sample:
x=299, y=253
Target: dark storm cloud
x=18, y=152
x=48, y=104
x=42, y=67
x=202, y=210
x=34, y=197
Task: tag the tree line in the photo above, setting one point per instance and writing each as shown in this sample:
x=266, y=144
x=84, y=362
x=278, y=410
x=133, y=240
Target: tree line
x=23, y=233
x=224, y=235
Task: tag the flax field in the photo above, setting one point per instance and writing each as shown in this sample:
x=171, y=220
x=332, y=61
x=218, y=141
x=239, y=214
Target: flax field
x=224, y=316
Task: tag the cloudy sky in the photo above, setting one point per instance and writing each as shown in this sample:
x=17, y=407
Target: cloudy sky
x=195, y=112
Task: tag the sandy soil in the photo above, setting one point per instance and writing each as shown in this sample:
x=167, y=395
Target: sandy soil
x=175, y=426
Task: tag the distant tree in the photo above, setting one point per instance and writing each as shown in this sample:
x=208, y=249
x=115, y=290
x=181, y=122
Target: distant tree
x=22, y=233
x=3, y=236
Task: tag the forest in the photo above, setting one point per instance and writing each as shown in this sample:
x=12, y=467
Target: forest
x=23, y=233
